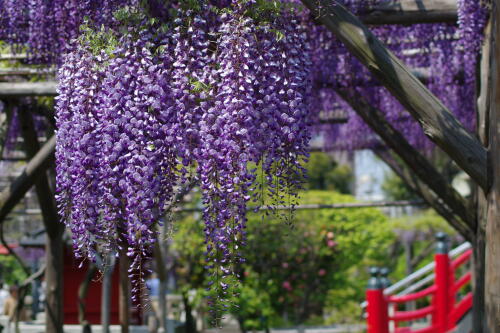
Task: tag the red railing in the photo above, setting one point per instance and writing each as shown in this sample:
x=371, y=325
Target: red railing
x=444, y=311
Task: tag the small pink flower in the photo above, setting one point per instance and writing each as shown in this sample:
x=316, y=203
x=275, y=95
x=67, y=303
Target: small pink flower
x=284, y=265
x=286, y=285
x=330, y=235
x=331, y=243
x=322, y=272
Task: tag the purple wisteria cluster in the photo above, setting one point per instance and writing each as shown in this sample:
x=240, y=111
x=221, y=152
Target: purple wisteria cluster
x=440, y=54
x=212, y=95
x=45, y=28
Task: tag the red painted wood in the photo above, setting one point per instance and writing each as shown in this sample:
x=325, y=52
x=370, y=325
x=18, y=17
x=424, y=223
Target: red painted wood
x=412, y=315
x=73, y=276
x=378, y=319
x=462, y=282
x=463, y=258
x=461, y=308
x=445, y=312
x=442, y=296
x=413, y=296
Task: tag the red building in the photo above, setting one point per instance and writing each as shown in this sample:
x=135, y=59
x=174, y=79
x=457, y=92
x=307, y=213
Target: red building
x=73, y=277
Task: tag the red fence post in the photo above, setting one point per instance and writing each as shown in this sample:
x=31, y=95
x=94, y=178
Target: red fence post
x=442, y=295
x=378, y=319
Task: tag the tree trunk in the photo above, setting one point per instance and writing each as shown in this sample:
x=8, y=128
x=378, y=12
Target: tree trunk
x=162, y=276
x=124, y=311
x=190, y=322
x=82, y=294
x=106, y=292
x=54, y=279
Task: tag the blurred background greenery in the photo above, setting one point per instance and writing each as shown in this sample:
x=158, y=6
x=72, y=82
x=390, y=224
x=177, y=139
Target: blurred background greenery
x=314, y=271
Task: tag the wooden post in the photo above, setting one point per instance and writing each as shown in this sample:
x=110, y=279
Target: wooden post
x=27, y=89
x=106, y=292
x=478, y=246
x=54, y=230
x=411, y=12
x=492, y=251
x=162, y=276
x=18, y=188
x=424, y=192
x=82, y=294
x=422, y=168
x=124, y=307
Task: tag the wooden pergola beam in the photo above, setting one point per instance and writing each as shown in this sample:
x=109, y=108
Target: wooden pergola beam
x=26, y=71
x=419, y=165
x=420, y=188
x=412, y=12
x=35, y=168
x=24, y=89
x=437, y=121
x=11, y=56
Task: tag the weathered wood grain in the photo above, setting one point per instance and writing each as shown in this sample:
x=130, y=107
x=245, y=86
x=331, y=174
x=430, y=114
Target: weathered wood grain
x=24, y=71
x=419, y=165
x=54, y=246
x=23, y=89
x=35, y=168
x=420, y=188
x=479, y=246
x=412, y=11
x=11, y=56
x=437, y=121
x=492, y=274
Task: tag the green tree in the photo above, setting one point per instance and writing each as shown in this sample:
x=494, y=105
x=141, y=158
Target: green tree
x=416, y=234
x=290, y=271
x=325, y=174
x=11, y=271
x=396, y=189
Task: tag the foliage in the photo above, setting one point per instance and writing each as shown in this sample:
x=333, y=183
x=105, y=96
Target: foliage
x=427, y=221
x=395, y=189
x=294, y=271
x=325, y=174
x=11, y=271
x=418, y=231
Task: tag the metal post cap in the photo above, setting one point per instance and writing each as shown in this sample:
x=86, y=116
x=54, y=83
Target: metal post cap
x=384, y=280
x=442, y=243
x=374, y=282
